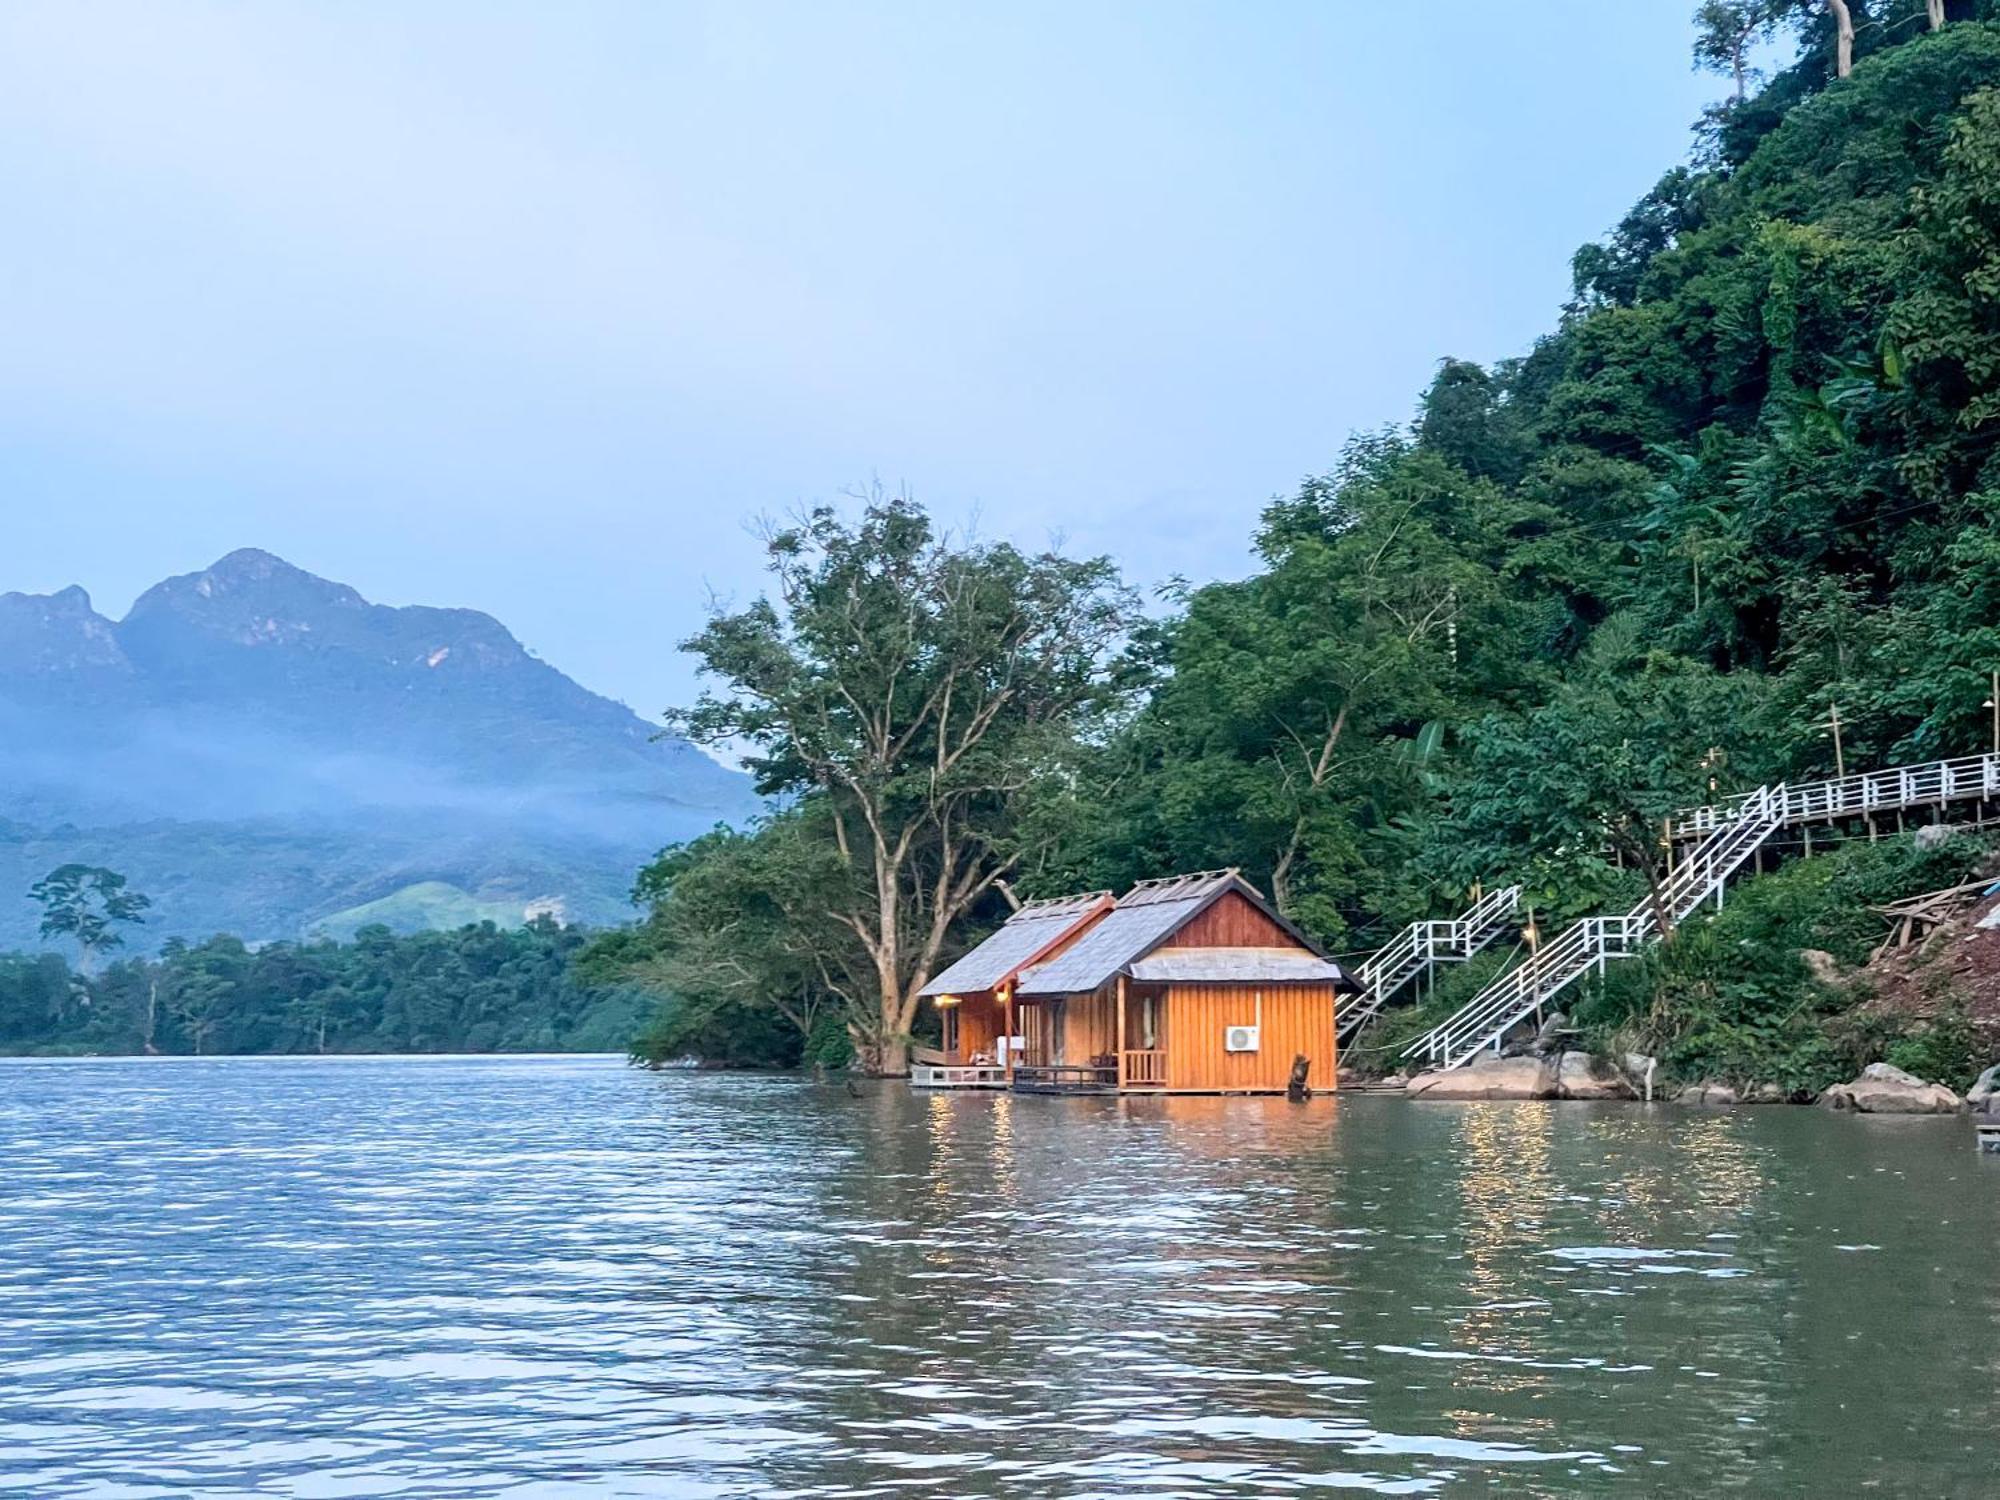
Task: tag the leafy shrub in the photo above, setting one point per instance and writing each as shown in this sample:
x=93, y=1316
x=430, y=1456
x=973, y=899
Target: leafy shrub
x=1730, y=997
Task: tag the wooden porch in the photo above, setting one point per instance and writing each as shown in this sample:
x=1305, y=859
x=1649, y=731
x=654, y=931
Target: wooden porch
x=1110, y=1041
x=1110, y=1073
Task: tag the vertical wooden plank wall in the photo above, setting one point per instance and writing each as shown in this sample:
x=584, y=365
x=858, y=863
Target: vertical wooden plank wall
x=1231, y=923
x=1297, y=1018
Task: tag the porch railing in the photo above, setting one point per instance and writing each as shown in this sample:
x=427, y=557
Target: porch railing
x=957, y=1076
x=1065, y=1078
x=1146, y=1070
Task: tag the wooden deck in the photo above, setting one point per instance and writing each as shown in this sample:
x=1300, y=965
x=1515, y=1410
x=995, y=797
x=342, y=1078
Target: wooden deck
x=957, y=1076
x=1066, y=1078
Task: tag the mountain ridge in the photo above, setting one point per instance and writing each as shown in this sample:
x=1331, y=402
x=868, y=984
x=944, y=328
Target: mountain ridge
x=256, y=696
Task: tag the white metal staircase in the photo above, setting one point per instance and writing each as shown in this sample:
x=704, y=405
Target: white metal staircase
x=1421, y=944
x=1727, y=835
x=1526, y=989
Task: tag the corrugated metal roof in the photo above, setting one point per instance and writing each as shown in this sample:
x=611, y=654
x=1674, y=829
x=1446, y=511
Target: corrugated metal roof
x=1029, y=932
x=1105, y=949
x=1145, y=916
x=1237, y=966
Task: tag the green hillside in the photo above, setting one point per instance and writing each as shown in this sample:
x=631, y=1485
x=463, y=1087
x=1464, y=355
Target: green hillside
x=429, y=905
x=1749, y=479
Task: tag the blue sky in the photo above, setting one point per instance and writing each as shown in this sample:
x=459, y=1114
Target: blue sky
x=529, y=307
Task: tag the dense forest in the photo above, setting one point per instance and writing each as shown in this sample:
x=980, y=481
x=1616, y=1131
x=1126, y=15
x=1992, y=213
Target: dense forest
x=1749, y=481
x=475, y=990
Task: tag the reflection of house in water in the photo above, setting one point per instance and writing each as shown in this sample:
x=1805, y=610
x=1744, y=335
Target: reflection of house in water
x=1192, y=984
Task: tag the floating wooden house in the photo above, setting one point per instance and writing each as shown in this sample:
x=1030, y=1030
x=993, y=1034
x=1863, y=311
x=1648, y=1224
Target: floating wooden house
x=1192, y=984
x=973, y=995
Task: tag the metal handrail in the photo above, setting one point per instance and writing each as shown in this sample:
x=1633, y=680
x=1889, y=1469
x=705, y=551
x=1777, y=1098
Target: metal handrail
x=1592, y=941
x=1422, y=944
x=1892, y=789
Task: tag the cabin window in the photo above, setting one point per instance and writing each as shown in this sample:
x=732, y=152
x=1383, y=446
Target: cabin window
x=1149, y=1022
x=1057, y=1014
x=950, y=1019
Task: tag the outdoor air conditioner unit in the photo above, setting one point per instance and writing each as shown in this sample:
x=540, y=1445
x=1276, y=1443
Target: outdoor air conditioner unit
x=1240, y=1039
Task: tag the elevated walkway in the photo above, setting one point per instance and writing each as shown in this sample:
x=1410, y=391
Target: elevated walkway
x=1721, y=839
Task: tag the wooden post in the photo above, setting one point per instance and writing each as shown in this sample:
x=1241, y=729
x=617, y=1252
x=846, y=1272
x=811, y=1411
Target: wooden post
x=1121, y=1033
x=1007, y=995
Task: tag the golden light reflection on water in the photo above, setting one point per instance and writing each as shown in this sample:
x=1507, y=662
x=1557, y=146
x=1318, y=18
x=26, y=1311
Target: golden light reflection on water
x=1505, y=1181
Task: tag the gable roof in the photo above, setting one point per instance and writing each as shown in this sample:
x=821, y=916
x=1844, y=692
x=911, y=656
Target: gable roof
x=1146, y=916
x=1024, y=937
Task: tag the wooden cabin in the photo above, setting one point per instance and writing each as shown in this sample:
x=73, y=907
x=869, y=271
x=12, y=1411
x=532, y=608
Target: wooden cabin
x=972, y=996
x=1193, y=984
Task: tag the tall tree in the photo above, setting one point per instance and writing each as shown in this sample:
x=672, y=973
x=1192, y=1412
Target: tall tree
x=87, y=904
x=1634, y=736
x=1843, y=34
x=919, y=686
x=1726, y=31
x=743, y=922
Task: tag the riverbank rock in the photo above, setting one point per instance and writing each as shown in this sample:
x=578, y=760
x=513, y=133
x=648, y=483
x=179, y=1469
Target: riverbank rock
x=1581, y=1076
x=1984, y=1096
x=1712, y=1094
x=1489, y=1078
x=1641, y=1070
x=1885, y=1090
x=1767, y=1093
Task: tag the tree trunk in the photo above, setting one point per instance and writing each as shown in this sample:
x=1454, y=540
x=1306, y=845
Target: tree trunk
x=1656, y=894
x=892, y=1058
x=1843, y=26
x=152, y=1015
x=1936, y=10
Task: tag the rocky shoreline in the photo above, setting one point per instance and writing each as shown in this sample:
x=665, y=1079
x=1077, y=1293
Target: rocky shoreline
x=1881, y=1089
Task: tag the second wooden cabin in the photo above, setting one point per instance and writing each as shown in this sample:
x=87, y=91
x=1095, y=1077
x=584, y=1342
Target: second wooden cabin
x=1192, y=984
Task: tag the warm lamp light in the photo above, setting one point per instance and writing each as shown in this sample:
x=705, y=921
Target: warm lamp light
x=947, y=999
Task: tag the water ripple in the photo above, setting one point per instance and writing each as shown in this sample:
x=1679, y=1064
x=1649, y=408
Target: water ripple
x=551, y=1278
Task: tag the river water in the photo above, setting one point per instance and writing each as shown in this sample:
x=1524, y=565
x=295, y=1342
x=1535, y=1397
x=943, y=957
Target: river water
x=563, y=1278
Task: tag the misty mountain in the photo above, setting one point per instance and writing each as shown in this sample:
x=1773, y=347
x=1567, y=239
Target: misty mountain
x=263, y=751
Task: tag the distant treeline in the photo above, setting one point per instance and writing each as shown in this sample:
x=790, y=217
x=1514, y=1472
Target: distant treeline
x=479, y=989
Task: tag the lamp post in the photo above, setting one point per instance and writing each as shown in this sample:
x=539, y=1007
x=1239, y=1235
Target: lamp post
x=1993, y=702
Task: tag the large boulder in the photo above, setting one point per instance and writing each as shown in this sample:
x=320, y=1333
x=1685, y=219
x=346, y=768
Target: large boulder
x=1885, y=1090
x=1581, y=1076
x=1984, y=1096
x=1488, y=1078
x=1712, y=1094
